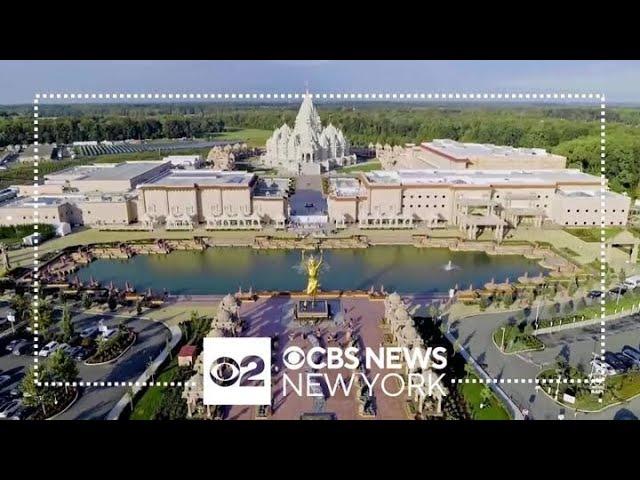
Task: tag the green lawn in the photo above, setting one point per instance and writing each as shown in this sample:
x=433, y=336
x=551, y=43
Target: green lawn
x=149, y=403
x=593, y=234
x=362, y=167
x=472, y=394
x=618, y=388
x=253, y=137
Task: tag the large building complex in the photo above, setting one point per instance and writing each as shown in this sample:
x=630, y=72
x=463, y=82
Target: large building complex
x=308, y=148
x=472, y=199
x=450, y=155
x=107, y=177
x=221, y=200
x=468, y=186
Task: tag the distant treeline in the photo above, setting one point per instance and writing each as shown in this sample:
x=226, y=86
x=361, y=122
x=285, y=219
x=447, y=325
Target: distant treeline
x=573, y=132
x=542, y=128
x=74, y=129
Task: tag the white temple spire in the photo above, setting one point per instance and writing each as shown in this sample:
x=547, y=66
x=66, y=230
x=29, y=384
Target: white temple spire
x=307, y=147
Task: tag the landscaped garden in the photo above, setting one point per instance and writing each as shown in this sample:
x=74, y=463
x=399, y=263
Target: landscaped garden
x=166, y=403
x=482, y=402
x=111, y=348
x=618, y=389
x=516, y=338
x=45, y=399
x=159, y=403
x=463, y=400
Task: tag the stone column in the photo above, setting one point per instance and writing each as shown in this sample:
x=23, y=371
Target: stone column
x=634, y=253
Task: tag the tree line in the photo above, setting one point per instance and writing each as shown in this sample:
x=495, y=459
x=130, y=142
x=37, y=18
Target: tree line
x=66, y=130
x=572, y=131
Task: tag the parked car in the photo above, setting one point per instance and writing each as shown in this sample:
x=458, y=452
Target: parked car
x=12, y=344
x=21, y=413
x=110, y=333
x=612, y=359
x=632, y=282
x=594, y=294
x=603, y=367
x=78, y=353
x=626, y=361
x=632, y=353
x=89, y=332
x=65, y=347
x=48, y=349
x=9, y=408
x=25, y=347
x=619, y=290
x=4, y=380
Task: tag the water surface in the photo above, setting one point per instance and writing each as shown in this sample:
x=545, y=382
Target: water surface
x=223, y=269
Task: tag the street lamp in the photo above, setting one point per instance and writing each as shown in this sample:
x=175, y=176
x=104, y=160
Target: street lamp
x=149, y=363
x=502, y=342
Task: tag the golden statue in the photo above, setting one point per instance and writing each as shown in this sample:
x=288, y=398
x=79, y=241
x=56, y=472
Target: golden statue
x=312, y=265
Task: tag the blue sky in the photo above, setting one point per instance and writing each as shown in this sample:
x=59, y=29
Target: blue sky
x=19, y=80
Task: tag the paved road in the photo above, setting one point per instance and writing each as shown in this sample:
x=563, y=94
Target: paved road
x=308, y=191
x=95, y=403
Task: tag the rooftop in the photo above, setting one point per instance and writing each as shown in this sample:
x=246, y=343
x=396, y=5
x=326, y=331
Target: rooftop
x=189, y=178
x=478, y=177
x=105, y=171
x=588, y=193
x=187, y=351
x=461, y=150
x=344, y=187
x=29, y=202
x=271, y=187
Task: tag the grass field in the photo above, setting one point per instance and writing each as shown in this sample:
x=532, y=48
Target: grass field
x=253, y=137
x=593, y=234
x=149, y=403
x=472, y=392
x=362, y=167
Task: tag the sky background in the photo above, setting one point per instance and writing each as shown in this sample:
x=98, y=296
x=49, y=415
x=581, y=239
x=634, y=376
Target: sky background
x=618, y=80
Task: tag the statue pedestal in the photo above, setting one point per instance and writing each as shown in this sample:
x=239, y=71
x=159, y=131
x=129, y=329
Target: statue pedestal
x=312, y=310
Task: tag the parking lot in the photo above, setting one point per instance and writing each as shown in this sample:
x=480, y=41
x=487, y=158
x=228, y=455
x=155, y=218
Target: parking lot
x=94, y=402
x=575, y=345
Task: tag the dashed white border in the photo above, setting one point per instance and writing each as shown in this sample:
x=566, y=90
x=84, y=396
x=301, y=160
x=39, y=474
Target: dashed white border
x=603, y=248
x=537, y=381
x=320, y=96
x=333, y=96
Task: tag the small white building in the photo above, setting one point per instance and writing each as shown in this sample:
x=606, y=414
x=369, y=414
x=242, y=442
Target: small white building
x=184, y=161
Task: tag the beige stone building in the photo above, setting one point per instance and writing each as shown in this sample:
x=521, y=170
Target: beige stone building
x=95, y=209
x=100, y=195
x=220, y=200
x=452, y=155
x=472, y=200
x=107, y=177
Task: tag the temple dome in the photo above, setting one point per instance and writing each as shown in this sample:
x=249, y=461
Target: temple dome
x=307, y=142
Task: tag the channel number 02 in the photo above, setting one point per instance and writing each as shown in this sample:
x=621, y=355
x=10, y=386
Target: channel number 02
x=225, y=371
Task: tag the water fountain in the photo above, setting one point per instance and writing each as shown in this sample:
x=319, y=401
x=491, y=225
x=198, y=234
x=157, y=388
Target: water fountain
x=450, y=266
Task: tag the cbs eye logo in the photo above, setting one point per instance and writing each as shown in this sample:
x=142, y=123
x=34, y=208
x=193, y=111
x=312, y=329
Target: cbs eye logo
x=237, y=371
x=225, y=371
